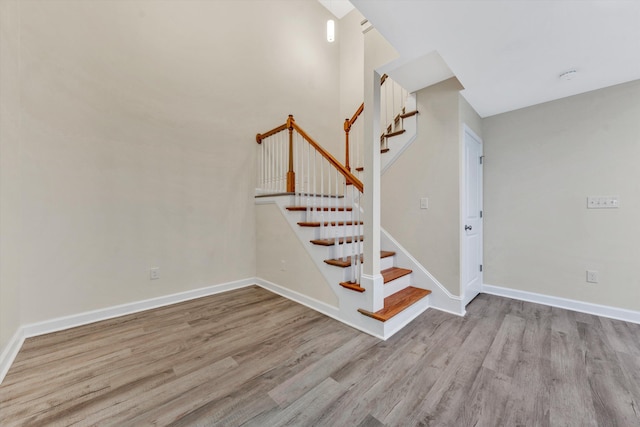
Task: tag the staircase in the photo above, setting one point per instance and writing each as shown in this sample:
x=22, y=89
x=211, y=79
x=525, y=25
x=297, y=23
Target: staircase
x=398, y=292
x=320, y=199
x=335, y=246
x=399, y=112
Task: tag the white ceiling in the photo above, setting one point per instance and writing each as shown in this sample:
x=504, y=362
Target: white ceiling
x=339, y=8
x=508, y=54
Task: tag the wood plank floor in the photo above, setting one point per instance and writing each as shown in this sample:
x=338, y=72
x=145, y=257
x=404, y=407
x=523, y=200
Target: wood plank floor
x=249, y=357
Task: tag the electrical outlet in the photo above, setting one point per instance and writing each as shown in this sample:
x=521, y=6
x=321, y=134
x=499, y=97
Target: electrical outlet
x=154, y=273
x=592, y=276
x=424, y=203
x=603, y=202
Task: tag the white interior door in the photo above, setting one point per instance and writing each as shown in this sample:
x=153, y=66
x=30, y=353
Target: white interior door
x=472, y=217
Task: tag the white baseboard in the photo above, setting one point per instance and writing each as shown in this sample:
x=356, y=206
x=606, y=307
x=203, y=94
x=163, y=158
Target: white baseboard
x=569, y=304
x=314, y=304
x=40, y=328
x=10, y=352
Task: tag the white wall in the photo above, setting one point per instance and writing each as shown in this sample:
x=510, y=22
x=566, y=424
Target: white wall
x=9, y=170
x=277, y=242
x=351, y=42
x=429, y=168
x=541, y=164
x=137, y=143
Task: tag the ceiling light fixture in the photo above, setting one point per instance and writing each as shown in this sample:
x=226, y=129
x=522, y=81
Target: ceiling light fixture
x=331, y=30
x=568, y=75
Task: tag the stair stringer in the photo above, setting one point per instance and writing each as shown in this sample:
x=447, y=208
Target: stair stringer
x=398, y=144
x=348, y=301
x=440, y=298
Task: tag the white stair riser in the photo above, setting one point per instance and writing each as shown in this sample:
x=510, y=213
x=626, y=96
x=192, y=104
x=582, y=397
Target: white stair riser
x=348, y=249
x=397, y=285
x=387, y=262
x=331, y=232
x=322, y=216
x=322, y=201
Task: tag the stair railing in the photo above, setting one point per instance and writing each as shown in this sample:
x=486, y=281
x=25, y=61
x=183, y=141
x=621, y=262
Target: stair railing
x=348, y=126
x=291, y=162
x=392, y=106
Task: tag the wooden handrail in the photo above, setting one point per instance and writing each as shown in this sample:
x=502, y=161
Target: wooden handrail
x=291, y=125
x=353, y=119
x=261, y=136
x=349, y=177
x=347, y=127
x=349, y=122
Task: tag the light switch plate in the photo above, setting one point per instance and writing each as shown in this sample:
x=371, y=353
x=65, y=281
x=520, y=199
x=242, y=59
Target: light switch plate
x=424, y=203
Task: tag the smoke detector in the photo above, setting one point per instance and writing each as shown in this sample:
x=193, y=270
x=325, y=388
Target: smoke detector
x=568, y=75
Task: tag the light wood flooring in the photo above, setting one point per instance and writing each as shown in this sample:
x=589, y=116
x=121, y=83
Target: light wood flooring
x=249, y=357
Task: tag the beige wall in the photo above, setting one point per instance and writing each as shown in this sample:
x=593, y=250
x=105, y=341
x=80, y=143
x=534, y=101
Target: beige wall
x=541, y=164
x=351, y=42
x=9, y=170
x=137, y=142
x=276, y=242
x=469, y=117
x=429, y=168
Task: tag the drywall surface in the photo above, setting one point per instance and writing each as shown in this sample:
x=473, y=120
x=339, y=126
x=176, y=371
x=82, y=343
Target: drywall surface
x=541, y=163
x=283, y=260
x=9, y=170
x=429, y=168
x=351, y=42
x=137, y=140
x=469, y=117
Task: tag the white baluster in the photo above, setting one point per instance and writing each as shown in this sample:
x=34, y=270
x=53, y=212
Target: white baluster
x=335, y=228
x=309, y=182
x=315, y=187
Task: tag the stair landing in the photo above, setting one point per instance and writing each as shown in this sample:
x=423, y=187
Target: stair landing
x=394, y=304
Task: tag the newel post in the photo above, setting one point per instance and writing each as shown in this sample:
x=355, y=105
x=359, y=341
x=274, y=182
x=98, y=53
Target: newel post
x=347, y=128
x=291, y=176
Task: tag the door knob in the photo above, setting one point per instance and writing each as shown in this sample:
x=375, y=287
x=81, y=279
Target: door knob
x=467, y=227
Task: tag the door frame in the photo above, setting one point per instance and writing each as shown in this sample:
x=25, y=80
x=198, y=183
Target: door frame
x=466, y=130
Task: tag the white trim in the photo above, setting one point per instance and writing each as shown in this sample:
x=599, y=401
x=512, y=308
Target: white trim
x=10, y=352
x=66, y=322
x=88, y=317
x=314, y=304
x=466, y=130
x=568, y=304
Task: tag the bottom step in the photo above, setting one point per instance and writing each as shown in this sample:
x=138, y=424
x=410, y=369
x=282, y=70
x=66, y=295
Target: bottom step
x=394, y=304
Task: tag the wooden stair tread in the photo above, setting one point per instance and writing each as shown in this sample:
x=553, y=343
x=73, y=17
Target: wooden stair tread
x=394, y=304
x=396, y=133
x=360, y=169
x=394, y=273
x=327, y=223
x=409, y=114
x=352, y=286
x=326, y=208
x=384, y=150
x=331, y=242
x=339, y=262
